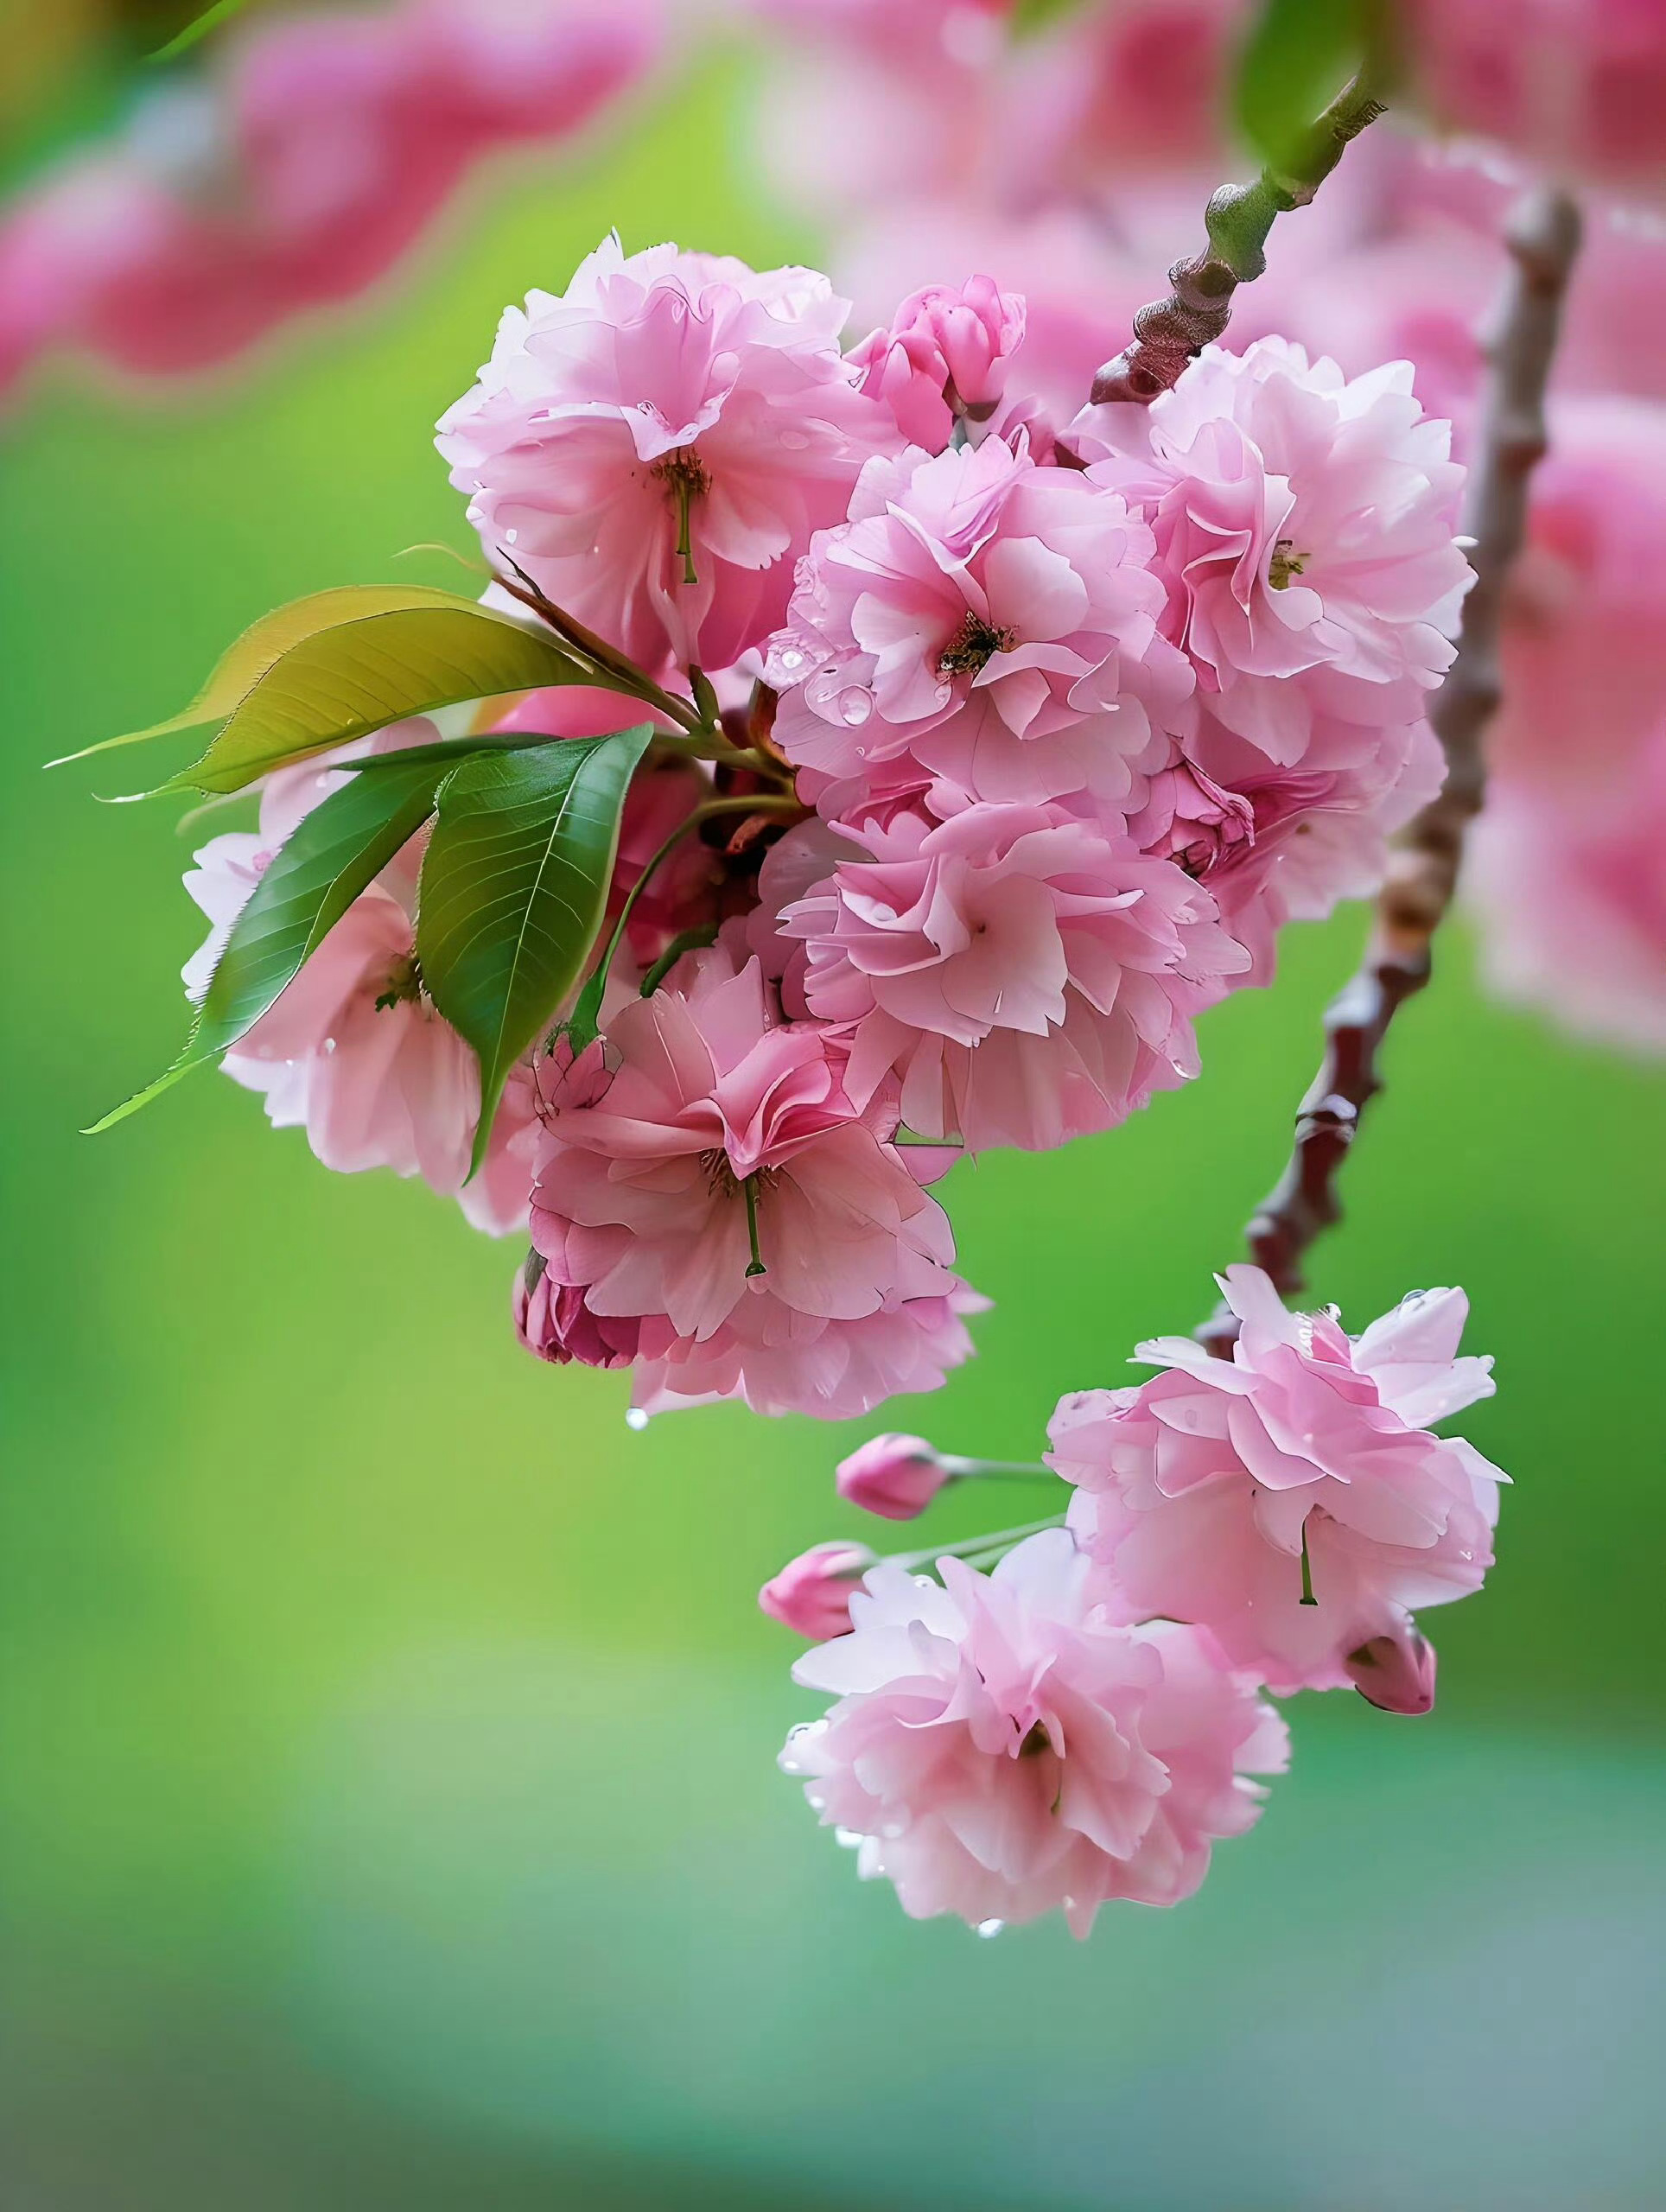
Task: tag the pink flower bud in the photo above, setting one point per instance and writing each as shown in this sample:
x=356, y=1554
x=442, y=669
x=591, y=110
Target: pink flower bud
x=1190, y=818
x=1394, y=1672
x=896, y=1476
x=945, y=355
x=553, y=1323
x=812, y=1593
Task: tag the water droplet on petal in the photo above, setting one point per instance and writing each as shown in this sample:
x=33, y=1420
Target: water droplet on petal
x=794, y=441
x=850, y=1838
x=988, y=1928
x=511, y=536
x=636, y=1419
x=944, y=693
x=790, y=659
x=856, y=705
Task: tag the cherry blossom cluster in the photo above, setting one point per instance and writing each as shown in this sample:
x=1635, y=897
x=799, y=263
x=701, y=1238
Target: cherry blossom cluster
x=1081, y=1723
x=1022, y=741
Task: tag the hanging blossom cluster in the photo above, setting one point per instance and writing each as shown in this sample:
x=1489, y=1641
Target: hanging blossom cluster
x=1028, y=738
x=1083, y=1722
x=868, y=768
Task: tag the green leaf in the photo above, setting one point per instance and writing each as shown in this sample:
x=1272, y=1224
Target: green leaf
x=211, y=19
x=333, y=667
x=1297, y=58
x=1032, y=18
x=332, y=854
x=514, y=885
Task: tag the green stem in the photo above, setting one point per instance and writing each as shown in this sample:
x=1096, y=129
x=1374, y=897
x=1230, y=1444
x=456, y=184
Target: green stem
x=964, y=1469
x=975, y=1549
x=756, y=1267
x=587, y=1014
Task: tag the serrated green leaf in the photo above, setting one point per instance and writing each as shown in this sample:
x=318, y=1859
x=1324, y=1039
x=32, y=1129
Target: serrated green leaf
x=513, y=888
x=1298, y=56
x=326, y=670
x=332, y=854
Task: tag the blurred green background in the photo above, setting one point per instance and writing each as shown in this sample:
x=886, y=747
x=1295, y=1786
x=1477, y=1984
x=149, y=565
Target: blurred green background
x=387, y=1806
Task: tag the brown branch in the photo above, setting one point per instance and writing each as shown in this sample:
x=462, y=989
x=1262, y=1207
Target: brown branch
x=1543, y=238
x=1169, y=333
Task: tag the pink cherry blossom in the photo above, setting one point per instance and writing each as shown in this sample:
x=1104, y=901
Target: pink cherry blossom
x=999, y=1751
x=704, y=1171
x=942, y=358
x=1291, y=1500
x=1305, y=523
x=895, y=1476
x=1026, y=976
x=654, y=446
x=353, y=1052
x=811, y=1594
x=990, y=619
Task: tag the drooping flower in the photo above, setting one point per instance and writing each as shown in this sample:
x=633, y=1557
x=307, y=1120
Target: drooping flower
x=1306, y=525
x=811, y=1594
x=942, y=358
x=895, y=1476
x=705, y=1173
x=989, y=620
x=655, y=446
x=1001, y=1751
x=1292, y=1499
x=1394, y=1670
x=1026, y=976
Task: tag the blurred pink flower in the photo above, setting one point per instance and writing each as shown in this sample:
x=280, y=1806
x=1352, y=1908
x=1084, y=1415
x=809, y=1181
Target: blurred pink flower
x=704, y=1171
x=655, y=445
x=1569, y=889
x=1290, y=1499
x=989, y=620
x=1026, y=976
x=997, y=1752
x=896, y=1476
x=1306, y=525
x=1577, y=86
x=811, y=1594
x=227, y=208
x=941, y=358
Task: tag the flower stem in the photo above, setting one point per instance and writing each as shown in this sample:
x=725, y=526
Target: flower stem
x=756, y=1265
x=974, y=1550
x=1307, y=1597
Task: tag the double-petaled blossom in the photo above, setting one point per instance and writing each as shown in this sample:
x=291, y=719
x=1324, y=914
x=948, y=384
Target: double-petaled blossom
x=1304, y=521
x=1025, y=975
x=985, y=621
x=942, y=358
x=1292, y=1499
x=353, y=1051
x=654, y=446
x=704, y=1173
x=999, y=1750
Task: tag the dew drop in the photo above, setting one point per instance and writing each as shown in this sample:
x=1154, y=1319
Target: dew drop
x=944, y=693
x=794, y=441
x=855, y=705
x=849, y=1839
x=511, y=536
x=988, y=1928
x=636, y=1419
x=790, y=659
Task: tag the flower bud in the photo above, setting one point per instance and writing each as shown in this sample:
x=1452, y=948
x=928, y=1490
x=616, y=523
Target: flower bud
x=553, y=1323
x=896, y=1476
x=945, y=356
x=1191, y=818
x=1394, y=1672
x=812, y=1593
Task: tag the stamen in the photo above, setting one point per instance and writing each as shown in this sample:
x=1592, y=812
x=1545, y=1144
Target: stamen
x=1285, y=563
x=973, y=644
x=683, y=472
x=1307, y=1597
x=403, y=985
x=757, y=1266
